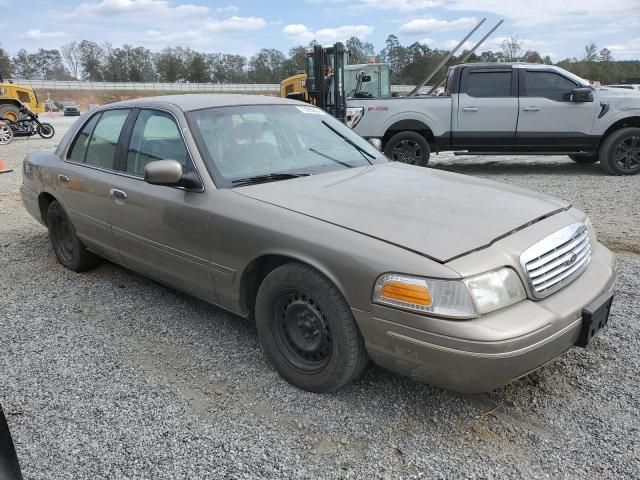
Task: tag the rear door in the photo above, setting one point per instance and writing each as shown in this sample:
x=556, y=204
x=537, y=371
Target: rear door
x=548, y=120
x=161, y=231
x=487, y=112
x=85, y=177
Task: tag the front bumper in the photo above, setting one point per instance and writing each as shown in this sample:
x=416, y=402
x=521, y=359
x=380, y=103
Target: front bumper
x=482, y=354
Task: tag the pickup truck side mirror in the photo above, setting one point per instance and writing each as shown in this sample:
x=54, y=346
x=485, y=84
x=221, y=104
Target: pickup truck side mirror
x=582, y=94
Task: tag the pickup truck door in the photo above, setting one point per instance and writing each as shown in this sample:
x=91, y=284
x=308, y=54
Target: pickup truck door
x=486, y=113
x=548, y=121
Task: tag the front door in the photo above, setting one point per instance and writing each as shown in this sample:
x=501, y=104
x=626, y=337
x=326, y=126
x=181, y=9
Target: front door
x=161, y=231
x=85, y=176
x=487, y=109
x=548, y=121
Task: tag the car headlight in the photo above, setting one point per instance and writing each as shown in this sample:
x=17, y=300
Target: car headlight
x=467, y=298
x=354, y=115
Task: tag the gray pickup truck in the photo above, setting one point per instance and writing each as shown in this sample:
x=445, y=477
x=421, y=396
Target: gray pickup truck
x=498, y=108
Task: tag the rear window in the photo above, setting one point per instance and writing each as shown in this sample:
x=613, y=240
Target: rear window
x=487, y=84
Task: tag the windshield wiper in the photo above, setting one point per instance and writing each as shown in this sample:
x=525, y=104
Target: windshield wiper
x=362, y=151
x=328, y=157
x=269, y=177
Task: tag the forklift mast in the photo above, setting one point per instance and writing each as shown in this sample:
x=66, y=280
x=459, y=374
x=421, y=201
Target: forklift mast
x=325, y=79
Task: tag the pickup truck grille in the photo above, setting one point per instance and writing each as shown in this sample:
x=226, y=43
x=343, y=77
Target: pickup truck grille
x=557, y=260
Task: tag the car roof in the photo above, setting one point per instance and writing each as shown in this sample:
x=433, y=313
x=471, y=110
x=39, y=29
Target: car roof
x=197, y=101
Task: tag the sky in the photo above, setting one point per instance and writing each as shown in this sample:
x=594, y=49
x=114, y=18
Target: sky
x=559, y=28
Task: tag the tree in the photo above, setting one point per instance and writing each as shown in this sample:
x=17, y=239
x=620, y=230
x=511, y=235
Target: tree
x=395, y=55
x=361, y=52
x=511, y=48
x=590, y=52
x=23, y=66
x=48, y=64
x=296, y=62
x=266, y=66
x=605, y=55
x=92, y=57
x=139, y=64
x=168, y=65
x=532, y=56
x=197, y=69
x=6, y=69
x=71, y=55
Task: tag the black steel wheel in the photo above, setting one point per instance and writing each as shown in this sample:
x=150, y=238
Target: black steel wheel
x=408, y=147
x=46, y=131
x=307, y=329
x=302, y=334
x=620, y=152
x=68, y=248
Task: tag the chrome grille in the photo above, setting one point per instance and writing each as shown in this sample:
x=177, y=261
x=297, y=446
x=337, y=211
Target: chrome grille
x=557, y=260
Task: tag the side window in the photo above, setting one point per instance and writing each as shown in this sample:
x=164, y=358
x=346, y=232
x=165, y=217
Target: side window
x=488, y=84
x=78, y=151
x=23, y=96
x=155, y=137
x=103, y=142
x=548, y=85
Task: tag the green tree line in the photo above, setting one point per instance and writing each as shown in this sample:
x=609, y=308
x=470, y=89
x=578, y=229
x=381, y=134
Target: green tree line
x=87, y=60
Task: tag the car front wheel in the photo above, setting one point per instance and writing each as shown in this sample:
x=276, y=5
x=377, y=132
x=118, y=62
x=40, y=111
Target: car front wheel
x=307, y=329
x=68, y=248
x=620, y=152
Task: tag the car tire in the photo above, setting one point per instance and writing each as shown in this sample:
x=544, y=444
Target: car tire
x=408, y=147
x=620, y=152
x=307, y=330
x=46, y=131
x=587, y=158
x=10, y=112
x=68, y=248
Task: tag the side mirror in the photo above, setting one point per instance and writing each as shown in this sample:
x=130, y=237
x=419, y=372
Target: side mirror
x=582, y=94
x=163, y=172
x=376, y=142
x=366, y=78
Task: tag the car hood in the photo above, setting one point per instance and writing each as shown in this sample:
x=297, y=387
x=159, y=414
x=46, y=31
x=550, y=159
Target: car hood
x=438, y=214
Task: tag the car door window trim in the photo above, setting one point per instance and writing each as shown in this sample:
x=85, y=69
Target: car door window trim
x=121, y=163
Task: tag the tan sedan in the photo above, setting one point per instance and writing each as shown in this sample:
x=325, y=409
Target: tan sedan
x=272, y=209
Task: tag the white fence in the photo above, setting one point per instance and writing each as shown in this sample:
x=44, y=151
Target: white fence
x=170, y=87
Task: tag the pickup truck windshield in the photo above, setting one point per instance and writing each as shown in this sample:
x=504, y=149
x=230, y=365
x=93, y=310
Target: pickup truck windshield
x=275, y=142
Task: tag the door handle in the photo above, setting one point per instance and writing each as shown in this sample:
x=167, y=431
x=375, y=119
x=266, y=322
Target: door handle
x=470, y=109
x=121, y=194
x=531, y=109
x=63, y=178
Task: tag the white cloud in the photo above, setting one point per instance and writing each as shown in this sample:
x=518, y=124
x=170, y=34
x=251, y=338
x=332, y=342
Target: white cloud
x=235, y=24
x=157, y=36
x=396, y=5
x=37, y=34
x=629, y=50
x=122, y=7
x=228, y=9
x=300, y=33
x=422, y=26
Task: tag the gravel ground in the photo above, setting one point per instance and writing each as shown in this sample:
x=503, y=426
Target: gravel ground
x=109, y=375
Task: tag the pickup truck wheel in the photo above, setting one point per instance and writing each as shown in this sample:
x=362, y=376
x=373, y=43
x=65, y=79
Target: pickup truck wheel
x=307, y=329
x=69, y=250
x=620, y=152
x=590, y=158
x=408, y=147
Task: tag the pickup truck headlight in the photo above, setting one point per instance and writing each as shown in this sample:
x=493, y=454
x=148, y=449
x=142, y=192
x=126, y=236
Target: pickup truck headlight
x=354, y=115
x=467, y=298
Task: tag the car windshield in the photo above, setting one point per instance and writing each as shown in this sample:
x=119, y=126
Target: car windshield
x=257, y=143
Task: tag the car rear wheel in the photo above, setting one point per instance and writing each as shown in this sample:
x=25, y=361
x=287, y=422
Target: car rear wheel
x=69, y=250
x=588, y=158
x=408, y=147
x=620, y=152
x=307, y=329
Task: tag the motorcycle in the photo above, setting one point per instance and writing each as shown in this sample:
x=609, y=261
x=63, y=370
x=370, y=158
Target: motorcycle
x=26, y=126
